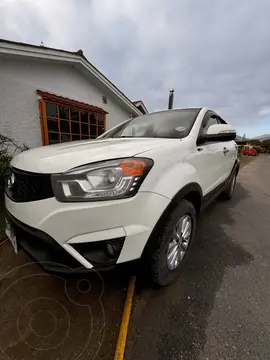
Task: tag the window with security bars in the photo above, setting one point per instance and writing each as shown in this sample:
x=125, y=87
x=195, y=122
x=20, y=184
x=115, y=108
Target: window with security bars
x=67, y=123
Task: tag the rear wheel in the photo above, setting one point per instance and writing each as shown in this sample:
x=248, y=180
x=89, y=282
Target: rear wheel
x=172, y=247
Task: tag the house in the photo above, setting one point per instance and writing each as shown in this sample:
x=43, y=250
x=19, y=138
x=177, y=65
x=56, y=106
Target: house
x=140, y=105
x=49, y=96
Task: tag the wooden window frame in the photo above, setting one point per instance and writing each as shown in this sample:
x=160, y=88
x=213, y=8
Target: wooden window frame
x=71, y=104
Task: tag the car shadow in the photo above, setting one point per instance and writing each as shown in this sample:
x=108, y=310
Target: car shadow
x=170, y=322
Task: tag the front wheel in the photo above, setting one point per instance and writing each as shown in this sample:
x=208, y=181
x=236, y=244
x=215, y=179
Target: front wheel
x=172, y=247
x=229, y=189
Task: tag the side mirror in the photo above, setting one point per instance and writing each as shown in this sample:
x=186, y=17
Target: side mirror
x=219, y=132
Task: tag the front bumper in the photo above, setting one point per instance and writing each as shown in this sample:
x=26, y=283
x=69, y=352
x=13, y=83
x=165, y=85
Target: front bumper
x=64, y=236
x=40, y=247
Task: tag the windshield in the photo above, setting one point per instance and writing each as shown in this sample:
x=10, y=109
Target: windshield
x=166, y=124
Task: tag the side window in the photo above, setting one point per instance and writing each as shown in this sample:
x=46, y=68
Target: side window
x=221, y=121
x=211, y=121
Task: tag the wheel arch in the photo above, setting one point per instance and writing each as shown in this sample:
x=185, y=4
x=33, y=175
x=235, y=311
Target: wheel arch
x=236, y=166
x=235, y=170
x=191, y=192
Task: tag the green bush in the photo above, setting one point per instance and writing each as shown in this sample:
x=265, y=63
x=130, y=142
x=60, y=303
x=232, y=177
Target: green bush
x=240, y=148
x=8, y=148
x=4, y=167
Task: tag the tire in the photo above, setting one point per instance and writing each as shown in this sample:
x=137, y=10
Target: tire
x=161, y=274
x=229, y=189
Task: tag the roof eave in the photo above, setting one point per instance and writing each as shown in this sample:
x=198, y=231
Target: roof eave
x=12, y=48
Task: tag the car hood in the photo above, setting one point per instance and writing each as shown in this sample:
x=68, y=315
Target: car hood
x=65, y=156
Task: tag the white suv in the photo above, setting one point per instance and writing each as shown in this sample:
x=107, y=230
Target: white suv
x=135, y=192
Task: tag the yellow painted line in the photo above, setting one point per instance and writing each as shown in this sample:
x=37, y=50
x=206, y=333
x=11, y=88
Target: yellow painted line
x=122, y=337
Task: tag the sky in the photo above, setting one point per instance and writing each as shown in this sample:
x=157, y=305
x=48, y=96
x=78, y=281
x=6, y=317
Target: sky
x=213, y=53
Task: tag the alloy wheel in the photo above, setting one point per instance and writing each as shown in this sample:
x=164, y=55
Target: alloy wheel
x=179, y=243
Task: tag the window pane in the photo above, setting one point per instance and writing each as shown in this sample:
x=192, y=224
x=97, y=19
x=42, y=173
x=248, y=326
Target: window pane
x=93, y=136
x=52, y=125
x=51, y=110
x=75, y=137
x=84, y=117
x=100, y=130
x=64, y=126
x=93, y=125
x=75, y=127
x=63, y=112
x=85, y=137
x=64, y=137
x=93, y=130
x=53, y=138
x=100, y=120
x=74, y=114
x=84, y=128
x=93, y=118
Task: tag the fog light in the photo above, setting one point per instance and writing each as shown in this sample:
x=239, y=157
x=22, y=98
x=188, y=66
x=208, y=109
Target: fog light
x=101, y=253
x=110, y=250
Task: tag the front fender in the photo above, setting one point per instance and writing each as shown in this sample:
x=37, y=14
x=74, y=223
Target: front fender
x=169, y=179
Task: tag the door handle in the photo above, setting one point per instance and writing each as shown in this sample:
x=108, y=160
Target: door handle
x=200, y=149
x=225, y=151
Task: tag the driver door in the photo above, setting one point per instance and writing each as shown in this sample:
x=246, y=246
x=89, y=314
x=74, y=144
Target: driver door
x=211, y=159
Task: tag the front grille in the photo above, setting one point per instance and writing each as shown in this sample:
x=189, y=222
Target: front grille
x=23, y=186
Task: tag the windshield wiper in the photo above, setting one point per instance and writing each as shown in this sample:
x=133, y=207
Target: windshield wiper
x=146, y=137
x=124, y=136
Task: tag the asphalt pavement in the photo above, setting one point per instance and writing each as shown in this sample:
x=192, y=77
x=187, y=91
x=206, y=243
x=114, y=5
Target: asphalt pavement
x=45, y=317
x=219, y=308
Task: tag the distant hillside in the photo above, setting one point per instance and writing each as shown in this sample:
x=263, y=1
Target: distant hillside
x=238, y=137
x=263, y=137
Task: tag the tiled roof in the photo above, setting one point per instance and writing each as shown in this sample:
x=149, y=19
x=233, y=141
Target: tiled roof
x=139, y=103
x=69, y=102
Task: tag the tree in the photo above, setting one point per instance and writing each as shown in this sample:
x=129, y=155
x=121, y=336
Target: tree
x=266, y=142
x=255, y=142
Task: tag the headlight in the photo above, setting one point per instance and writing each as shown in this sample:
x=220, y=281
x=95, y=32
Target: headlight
x=114, y=179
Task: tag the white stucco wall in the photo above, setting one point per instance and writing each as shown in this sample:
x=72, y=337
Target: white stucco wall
x=19, y=80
